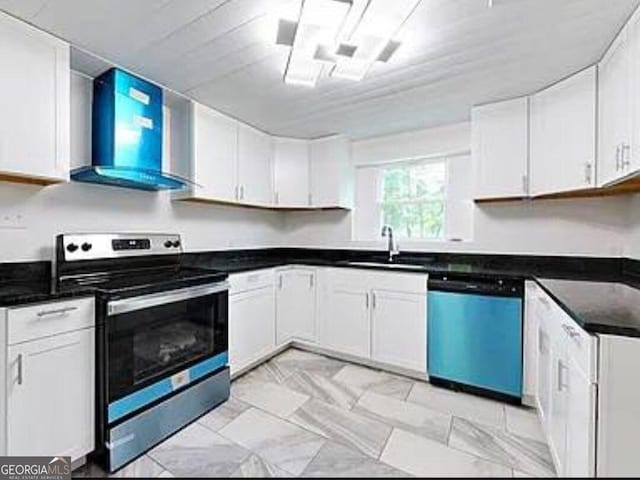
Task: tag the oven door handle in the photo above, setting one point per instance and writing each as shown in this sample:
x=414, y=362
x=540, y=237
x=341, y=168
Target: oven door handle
x=125, y=305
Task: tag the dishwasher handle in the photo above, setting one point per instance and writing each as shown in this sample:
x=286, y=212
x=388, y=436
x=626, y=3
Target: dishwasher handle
x=498, y=287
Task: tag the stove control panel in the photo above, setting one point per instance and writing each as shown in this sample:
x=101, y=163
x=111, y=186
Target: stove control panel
x=83, y=246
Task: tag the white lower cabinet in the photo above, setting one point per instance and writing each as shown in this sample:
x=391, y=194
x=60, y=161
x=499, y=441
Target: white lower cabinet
x=345, y=323
x=581, y=423
x=50, y=381
x=376, y=315
x=566, y=386
x=399, y=329
x=366, y=314
x=618, y=406
x=296, y=305
x=252, y=318
x=557, y=419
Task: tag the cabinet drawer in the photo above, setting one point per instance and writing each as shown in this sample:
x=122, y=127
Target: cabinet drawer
x=47, y=319
x=242, y=282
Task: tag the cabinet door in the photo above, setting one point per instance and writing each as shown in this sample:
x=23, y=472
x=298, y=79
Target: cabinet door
x=252, y=327
x=50, y=396
x=559, y=407
x=563, y=135
x=531, y=345
x=255, y=173
x=545, y=374
x=499, y=148
x=399, y=329
x=345, y=325
x=215, y=152
x=296, y=305
x=35, y=99
x=581, y=416
x=331, y=172
x=615, y=115
x=291, y=172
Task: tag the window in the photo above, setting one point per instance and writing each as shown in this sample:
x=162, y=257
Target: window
x=410, y=196
x=412, y=199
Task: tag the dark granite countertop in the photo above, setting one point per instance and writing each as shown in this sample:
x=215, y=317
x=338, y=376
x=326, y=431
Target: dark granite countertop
x=599, y=307
x=30, y=282
x=601, y=294
x=597, y=292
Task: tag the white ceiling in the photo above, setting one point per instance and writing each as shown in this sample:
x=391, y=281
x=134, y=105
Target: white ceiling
x=456, y=53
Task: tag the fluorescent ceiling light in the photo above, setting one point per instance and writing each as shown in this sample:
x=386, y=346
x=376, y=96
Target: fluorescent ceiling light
x=344, y=36
x=319, y=25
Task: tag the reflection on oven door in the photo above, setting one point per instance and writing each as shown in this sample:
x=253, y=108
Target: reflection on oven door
x=164, y=347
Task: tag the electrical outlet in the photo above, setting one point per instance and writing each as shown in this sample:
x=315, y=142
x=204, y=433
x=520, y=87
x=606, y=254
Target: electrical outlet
x=12, y=221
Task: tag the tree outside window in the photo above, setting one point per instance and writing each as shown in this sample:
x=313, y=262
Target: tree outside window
x=413, y=199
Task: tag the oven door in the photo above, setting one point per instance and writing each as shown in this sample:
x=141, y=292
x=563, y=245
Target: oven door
x=161, y=342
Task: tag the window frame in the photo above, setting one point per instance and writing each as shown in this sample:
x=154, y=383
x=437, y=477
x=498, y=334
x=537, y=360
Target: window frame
x=407, y=163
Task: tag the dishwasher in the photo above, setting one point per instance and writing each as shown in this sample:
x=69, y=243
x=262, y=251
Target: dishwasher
x=475, y=335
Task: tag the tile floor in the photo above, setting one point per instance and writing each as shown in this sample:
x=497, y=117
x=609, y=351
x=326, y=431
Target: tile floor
x=302, y=414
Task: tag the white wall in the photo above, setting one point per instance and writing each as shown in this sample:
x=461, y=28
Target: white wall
x=443, y=140
x=78, y=207
x=597, y=227
x=632, y=243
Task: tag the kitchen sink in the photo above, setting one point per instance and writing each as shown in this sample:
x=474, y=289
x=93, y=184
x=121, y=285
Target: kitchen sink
x=387, y=265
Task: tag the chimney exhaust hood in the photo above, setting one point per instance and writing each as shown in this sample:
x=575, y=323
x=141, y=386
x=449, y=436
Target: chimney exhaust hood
x=127, y=135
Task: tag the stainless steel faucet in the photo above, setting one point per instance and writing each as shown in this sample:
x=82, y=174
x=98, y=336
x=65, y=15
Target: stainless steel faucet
x=392, y=246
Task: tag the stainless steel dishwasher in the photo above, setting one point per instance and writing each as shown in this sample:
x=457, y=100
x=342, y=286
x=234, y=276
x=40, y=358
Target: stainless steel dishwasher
x=475, y=335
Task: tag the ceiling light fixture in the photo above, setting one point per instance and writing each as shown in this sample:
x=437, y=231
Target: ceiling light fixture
x=374, y=35
x=319, y=25
x=345, y=37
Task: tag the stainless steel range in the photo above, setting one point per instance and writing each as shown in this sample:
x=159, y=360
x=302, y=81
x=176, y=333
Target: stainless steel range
x=162, y=337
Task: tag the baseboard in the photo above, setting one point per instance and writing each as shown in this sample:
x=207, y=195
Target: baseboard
x=314, y=348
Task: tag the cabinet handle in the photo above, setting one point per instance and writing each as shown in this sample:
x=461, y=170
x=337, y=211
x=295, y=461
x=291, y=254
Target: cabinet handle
x=626, y=156
x=311, y=281
x=617, y=158
x=277, y=198
x=366, y=300
x=241, y=192
x=373, y=300
x=570, y=330
x=561, y=384
x=59, y=311
x=237, y=192
x=310, y=200
x=280, y=282
x=587, y=172
x=525, y=183
x=19, y=361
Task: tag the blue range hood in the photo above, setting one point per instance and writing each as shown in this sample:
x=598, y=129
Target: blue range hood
x=127, y=135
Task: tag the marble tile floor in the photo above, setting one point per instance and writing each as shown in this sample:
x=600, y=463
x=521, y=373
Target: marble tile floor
x=307, y=415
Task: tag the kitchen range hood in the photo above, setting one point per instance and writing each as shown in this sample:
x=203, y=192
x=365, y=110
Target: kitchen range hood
x=127, y=135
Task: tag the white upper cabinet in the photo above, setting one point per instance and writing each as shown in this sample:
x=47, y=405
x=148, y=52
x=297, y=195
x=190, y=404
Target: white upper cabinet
x=255, y=156
x=615, y=109
x=331, y=172
x=563, y=135
x=499, y=149
x=291, y=172
x=35, y=100
x=214, y=151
